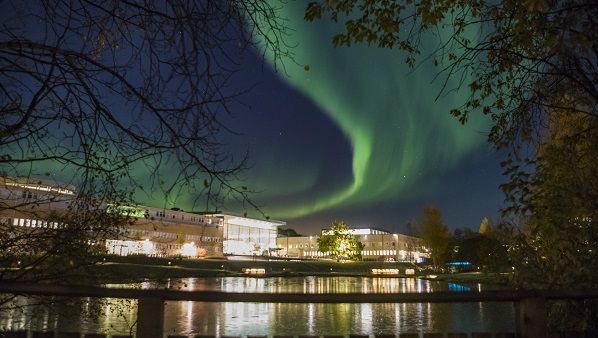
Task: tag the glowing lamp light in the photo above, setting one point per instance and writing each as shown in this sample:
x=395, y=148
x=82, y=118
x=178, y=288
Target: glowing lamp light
x=147, y=247
x=254, y=271
x=385, y=271
x=189, y=250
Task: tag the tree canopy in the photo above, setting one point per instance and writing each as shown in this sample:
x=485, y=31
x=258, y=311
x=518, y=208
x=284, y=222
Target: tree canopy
x=532, y=68
x=339, y=243
x=288, y=232
x=435, y=235
x=517, y=58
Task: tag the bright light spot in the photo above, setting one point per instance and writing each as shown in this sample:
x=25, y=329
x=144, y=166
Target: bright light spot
x=254, y=271
x=385, y=271
x=189, y=250
x=147, y=247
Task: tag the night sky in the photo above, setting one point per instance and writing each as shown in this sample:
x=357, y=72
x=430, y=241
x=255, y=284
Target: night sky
x=354, y=136
x=360, y=137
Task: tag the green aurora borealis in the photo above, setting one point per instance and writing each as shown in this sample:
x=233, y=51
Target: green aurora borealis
x=400, y=136
x=356, y=136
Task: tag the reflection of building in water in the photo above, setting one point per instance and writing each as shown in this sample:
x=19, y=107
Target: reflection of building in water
x=378, y=245
x=268, y=319
x=34, y=205
x=188, y=318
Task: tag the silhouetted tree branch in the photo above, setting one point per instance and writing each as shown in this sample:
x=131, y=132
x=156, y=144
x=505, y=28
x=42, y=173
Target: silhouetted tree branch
x=119, y=96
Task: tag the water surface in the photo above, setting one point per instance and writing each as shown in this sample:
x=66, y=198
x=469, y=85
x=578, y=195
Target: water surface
x=243, y=319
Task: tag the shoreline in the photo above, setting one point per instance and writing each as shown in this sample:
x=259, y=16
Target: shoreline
x=128, y=269
x=135, y=269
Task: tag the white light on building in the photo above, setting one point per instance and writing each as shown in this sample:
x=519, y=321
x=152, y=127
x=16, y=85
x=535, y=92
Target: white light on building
x=189, y=250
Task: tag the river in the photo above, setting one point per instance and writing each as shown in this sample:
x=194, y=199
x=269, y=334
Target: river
x=247, y=319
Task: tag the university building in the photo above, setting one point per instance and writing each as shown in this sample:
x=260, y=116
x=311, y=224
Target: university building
x=379, y=245
x=34, y=203
x=31, y=203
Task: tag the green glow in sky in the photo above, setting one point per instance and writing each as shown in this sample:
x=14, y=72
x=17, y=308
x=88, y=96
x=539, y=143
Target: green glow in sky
x=401, y=139
x=400, y=135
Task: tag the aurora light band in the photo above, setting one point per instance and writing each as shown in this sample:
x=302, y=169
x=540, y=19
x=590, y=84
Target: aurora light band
x=399, y=134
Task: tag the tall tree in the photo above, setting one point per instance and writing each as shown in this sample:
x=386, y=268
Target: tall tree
x=435, y=235
x=485, y=226
x=339, y=243
x=558, y=203
x=557, y=246
x=532, y=67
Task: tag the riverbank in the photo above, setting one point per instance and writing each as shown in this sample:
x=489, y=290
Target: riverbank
x=136, y=268
x=118, y=269
x=133, y=268
x=472, y=278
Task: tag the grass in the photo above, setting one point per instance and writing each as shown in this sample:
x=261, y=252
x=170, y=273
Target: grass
x=132, y=268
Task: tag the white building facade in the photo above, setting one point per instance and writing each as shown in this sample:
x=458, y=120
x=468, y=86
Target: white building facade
x=249, y=236
x=30, y=204
x=378, y=245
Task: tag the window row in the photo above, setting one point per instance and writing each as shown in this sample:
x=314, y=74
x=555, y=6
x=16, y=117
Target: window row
x=183, y=217
x=35, y=223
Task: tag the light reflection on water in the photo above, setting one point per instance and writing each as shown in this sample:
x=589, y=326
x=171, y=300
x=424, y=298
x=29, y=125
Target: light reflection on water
x=188, y=318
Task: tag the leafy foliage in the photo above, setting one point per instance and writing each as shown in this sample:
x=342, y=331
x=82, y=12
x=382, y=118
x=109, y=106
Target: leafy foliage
x=288, y=232
x=340, y=244
x=485, y=250
x=435, y=235
x=532, y=67
x=557, y=245
x=559, y=240
x=519, y=58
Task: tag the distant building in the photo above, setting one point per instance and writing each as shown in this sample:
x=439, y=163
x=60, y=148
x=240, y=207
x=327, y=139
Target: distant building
x=379, y=245
x=31, y=203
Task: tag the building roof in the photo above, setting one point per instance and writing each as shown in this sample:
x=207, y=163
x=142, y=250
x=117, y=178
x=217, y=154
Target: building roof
x=234, y=214
x=39, y=184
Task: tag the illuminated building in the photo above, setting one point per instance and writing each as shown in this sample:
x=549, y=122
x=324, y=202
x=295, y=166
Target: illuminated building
x=378, y=245
x=28, y=203
x=248, y=236
x=167, y=232
x=152, y=232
